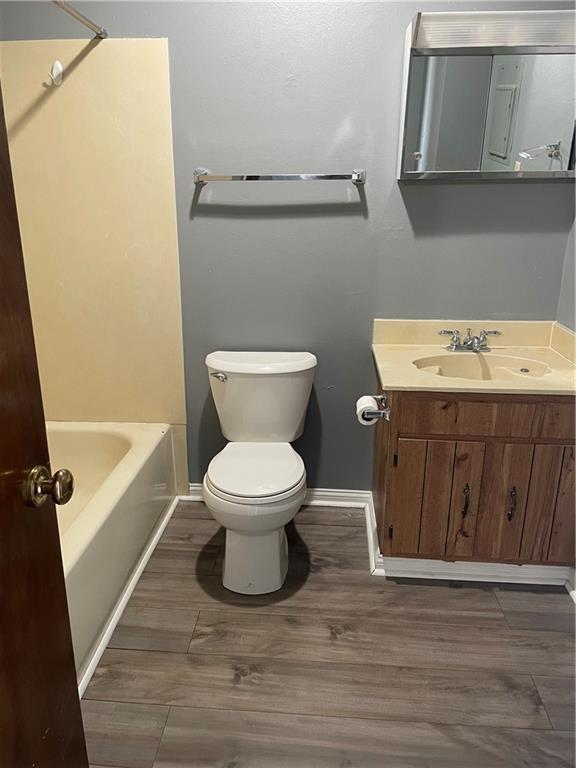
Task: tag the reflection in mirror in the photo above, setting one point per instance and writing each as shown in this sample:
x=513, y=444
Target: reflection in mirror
x=490, y=113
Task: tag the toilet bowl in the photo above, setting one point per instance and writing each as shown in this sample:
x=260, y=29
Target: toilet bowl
x=254, y=490
x=257, y=483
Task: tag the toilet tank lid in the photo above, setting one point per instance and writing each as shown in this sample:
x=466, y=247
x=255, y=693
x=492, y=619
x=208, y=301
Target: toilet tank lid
x=261, y=362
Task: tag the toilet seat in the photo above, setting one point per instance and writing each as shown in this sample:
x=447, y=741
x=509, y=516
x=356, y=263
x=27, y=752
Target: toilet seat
x=242, y=503
x=256, y=473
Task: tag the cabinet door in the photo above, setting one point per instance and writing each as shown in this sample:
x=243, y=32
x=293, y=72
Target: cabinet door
x=505, y=481
x=542, y=494
x=433, y=497
x=404, y=499
x=465, y=498
x=561, y=548
x=436, y=497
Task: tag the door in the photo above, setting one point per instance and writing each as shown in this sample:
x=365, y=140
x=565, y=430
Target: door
x=561, y=549
x=451, y=496
x=505, y=481
x=465, y=498
x=436, y=498
x=401, y=530
x=433, y=498
x=40, y=720
x=542, y=494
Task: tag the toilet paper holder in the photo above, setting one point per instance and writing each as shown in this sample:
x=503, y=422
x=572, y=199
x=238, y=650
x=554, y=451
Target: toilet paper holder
x=383, y=411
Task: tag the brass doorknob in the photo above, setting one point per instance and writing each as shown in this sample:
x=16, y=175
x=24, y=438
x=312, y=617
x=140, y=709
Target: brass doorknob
x=39, y=485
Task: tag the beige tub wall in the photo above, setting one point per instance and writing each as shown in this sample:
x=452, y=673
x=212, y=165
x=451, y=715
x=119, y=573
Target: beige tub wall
x=94, y=179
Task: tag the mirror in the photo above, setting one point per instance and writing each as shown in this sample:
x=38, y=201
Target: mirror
x=477, y=116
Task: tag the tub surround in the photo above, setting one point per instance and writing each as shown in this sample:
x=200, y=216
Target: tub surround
x=397, y=344
x=101, y=261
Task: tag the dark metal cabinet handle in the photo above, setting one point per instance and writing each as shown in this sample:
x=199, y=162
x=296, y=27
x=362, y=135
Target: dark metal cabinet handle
x=466, y=493
x=513, y=503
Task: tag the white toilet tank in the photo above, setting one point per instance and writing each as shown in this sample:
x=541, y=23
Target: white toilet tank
x=261, y=397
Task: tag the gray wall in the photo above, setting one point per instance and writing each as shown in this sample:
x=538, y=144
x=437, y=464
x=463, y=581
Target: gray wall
x=316, y=87
x=566, y=301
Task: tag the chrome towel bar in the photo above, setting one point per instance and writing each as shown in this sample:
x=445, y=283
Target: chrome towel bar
x=202, y=176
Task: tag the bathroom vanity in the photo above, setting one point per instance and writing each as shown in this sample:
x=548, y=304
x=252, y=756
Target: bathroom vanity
x=476, y=459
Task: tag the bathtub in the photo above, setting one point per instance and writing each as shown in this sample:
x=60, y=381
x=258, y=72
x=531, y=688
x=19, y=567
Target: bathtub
x=125, y=489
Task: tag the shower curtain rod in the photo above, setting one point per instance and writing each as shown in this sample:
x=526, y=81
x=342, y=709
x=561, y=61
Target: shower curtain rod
x=99, y=31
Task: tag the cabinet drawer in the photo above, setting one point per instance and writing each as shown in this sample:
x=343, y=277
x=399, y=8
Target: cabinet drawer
x=470, y=416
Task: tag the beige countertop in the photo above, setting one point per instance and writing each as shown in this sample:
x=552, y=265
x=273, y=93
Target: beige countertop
x=550, y=372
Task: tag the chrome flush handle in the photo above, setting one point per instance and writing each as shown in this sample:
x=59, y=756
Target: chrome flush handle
x=219, y=375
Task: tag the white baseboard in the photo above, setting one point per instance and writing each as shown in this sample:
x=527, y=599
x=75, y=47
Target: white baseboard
x=333, y=497
x=336, y=497
x=422, y=568
x=327, y=497
x=571, y=584
x=194, y=493
x=114, y=617
x=466, y=571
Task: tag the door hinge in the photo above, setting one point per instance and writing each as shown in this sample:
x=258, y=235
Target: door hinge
x=391, y=532
x=395, y=459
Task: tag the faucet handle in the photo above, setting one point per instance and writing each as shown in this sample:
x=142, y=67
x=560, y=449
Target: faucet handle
x=491, y=333
x=454, y=337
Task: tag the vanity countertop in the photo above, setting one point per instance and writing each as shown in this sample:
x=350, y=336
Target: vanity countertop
x=536, y=359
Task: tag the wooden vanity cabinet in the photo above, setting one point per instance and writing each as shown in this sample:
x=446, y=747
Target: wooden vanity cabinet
x=472, y=477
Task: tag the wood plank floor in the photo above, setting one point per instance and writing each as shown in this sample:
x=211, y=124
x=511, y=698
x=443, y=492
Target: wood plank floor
x=339, y=669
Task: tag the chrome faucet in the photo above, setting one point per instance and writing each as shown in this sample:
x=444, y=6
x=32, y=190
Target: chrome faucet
x=469, y=343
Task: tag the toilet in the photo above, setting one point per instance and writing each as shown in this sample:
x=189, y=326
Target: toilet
x=257, y=483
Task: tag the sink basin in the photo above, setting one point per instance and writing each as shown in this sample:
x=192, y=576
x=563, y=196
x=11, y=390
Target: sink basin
x=482, y=366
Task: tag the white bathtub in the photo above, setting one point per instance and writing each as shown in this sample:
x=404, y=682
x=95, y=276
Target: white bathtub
x=124, y=487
